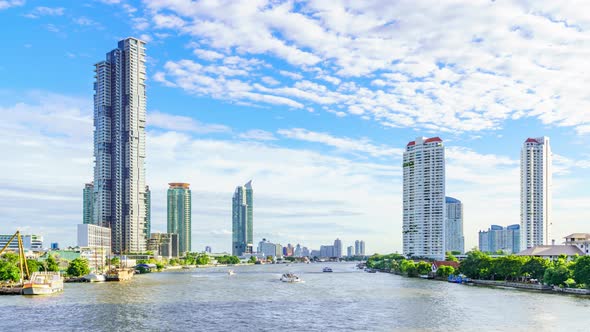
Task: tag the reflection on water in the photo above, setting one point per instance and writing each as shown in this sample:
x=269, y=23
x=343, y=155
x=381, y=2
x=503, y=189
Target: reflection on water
x=253, y=299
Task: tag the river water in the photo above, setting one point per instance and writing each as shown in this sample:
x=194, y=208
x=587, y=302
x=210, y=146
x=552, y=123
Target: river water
x=255, y=300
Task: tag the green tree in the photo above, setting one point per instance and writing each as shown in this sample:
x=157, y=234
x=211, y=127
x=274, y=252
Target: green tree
x=450, y=257
x=581, y=270
x=477, y=265
x=252, y=259
x=423, y=268
x=9, y=270
x=408, y=267
x=115, y=261
x=506, y=267
x=33, y=265
x=445, y=271
x=78, y=267
x=535, y=267
x=51, y=264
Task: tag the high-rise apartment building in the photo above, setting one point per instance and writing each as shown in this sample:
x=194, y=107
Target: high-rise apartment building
x=337, y=248
x=88, y=203
x=179, y=214
x=164, y=244
x=454, y=225
x=242, y=220
x=362, y=248
x=357, y=248
x=119, y=145
x=424, y=198
x=496, y=238
x=535, y=192
x=349, y=251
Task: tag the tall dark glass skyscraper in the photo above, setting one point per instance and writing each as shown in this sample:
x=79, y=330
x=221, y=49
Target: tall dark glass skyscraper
x=179, y=215
x=119, y=146
x=242, y=220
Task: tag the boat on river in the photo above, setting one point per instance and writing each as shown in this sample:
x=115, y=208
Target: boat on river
x=230, y=272
x=95, y=277
x=290, y=278
x=327, y=269
x=44, y=283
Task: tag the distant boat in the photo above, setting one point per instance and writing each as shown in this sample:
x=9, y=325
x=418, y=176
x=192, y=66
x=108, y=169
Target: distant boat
x=230, y=272
x=44, y=283
x=370, y=270
x=94, y=277
x=290, y=278
x=327, y=269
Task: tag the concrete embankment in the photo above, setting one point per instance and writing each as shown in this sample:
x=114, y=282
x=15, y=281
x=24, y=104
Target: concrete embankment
x=11, y=290
x=494, y=283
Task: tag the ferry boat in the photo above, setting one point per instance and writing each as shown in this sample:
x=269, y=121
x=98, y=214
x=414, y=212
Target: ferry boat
x=290, y=278
x=230, y=272
x=327, y=269
x=43, y=283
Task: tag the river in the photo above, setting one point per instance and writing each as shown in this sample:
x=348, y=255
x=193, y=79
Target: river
x=255, y=300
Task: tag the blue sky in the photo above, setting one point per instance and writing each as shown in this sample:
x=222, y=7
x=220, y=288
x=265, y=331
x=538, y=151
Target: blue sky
x=314, y=100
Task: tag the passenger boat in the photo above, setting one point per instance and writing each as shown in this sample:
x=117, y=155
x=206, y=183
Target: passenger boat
x=95, y=277
x=230, y=272
x=327, y=269
x=43, y=283
x=290, y=278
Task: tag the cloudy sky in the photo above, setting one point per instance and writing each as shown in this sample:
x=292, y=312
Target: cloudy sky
x=313, y=100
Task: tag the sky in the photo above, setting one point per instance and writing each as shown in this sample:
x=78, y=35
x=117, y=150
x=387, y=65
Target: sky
x=314, y=101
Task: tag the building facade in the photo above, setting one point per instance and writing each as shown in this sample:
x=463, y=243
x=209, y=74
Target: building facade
x=179, y=214
x=88, y=204
x=535, y=192
x=95, y=245
x=30, y=242
x=454, y=225
x=497, y=238
x=337, y=248
x=580, y=240
x=424, y=198
x=350, y=251
x=326, y=251
x=362, y=248
x=119, y=145
x=165, y=245
x=148, y=212
x=243, y=220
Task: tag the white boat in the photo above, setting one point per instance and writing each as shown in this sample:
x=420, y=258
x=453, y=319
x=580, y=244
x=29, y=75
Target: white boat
x=93, y=277
x=290, y=277
x=230, y=272
x=43, y=283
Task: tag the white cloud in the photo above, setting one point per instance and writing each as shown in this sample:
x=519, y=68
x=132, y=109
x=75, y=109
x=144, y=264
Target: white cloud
x=183, y=123
x=493, y=61
x=5, y=4
x=258, y=135
x=45, y=11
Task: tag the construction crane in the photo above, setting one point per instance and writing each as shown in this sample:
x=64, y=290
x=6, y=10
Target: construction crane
x=22, y=259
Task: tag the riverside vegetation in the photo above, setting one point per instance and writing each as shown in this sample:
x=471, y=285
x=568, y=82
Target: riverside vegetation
x=561, y=272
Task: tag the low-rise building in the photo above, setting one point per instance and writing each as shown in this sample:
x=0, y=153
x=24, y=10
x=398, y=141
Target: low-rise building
x=165, y=245
x=580, y=240
x=552, y=252
x=95, y=245
x=30, y=242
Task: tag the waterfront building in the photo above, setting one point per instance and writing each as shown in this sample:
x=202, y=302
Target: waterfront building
x=95, y=244
x=30, y=242
x=267, y=248
x=285, y=252
x=424, y=198
x=179, y=214
x=297, y=251
x=357, y=248
x=337, y=248
x=88, y=204
x=552, y=252
x=208, y=249
x=349, y=251
x=580, y=240
x=454, y=225
x=119, y=145
x=242, y=219
x=305, y=252
x=362, y=248
x=278, y=250
x=326, y=251
x=535, y=192
x=166, y=245
x=497, y=238
x=315, y=253
x=54, y=246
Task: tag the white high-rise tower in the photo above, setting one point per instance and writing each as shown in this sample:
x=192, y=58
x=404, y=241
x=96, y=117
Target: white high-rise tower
x=535, y=192
x=119, y=145
x=424, y=198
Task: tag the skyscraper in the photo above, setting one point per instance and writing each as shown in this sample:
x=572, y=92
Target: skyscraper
x=179, y=214
x=88, y=203
x=349, y=251
x=119, y=145
x=535, y=192
x=337, y=248
x=362, y=248
x=454, y=225
x=242, y=219
x=424, y=198
x=357, y=248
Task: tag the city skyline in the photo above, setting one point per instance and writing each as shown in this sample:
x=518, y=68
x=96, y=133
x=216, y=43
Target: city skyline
x=320, y=129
